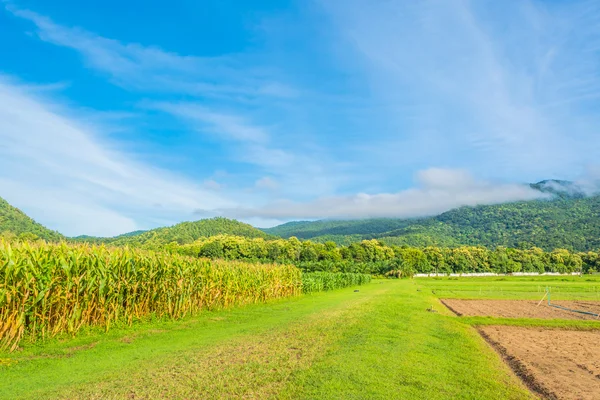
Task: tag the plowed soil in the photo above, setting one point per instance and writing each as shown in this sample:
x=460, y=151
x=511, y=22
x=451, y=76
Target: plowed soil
x=522, y=309
x=557, y=364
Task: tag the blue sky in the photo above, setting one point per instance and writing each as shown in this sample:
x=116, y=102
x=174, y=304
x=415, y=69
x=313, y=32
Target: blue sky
x=117, y=116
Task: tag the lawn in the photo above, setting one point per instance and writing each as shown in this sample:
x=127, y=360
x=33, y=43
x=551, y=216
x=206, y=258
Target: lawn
x=377, y=343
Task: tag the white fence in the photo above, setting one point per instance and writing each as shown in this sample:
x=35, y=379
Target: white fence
x=493, y=274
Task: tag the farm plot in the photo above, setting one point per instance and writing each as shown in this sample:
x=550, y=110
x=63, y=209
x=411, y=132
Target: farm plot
x=523, y=309
x=550, y=347
x=555, y=363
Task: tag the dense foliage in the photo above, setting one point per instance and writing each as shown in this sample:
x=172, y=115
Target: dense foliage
x=374, y=257
x=47, y=289
x=14, y=223
x=563, y=222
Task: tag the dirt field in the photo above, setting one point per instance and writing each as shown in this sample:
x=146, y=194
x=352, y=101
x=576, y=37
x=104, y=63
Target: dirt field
x=557, y=364
x=522, y=309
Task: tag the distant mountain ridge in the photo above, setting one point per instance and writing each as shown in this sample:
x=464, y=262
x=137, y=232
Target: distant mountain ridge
x=128, y=234
x=570, y=219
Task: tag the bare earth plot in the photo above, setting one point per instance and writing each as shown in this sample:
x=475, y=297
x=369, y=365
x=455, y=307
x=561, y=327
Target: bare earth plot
x=522, y=309
x=558, y=364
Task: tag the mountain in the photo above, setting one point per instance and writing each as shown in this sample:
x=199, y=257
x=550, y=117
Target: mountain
x=14, y=222
x=183, y=233
x=569, y=220
x=311, y=229
x=88, y=238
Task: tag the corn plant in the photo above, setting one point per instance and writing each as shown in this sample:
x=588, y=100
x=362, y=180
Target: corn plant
x=324, y=281
x=49, y=289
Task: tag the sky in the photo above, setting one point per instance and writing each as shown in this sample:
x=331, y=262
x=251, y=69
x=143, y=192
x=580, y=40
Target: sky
x=119, y=116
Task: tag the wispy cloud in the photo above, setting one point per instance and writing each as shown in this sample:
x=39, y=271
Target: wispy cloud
x=438, y=190
x=59, y=170
x=297, y=168
x=147, y=68
x=222, y=125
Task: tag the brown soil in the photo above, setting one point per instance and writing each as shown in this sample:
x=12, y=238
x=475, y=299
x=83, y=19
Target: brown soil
x=557, y=364
x=522, y=309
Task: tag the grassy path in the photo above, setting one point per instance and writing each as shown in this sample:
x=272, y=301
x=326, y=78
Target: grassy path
x=377, y=343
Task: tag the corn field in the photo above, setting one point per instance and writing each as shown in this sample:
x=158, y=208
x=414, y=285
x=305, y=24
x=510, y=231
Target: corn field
x=50, y=289
x=324, y=281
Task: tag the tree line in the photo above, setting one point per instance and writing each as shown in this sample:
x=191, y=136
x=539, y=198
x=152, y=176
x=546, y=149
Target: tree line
x=375, y=257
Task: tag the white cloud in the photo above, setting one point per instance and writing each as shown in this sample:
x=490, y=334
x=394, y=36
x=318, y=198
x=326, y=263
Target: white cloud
x=439, y=190
x=450, y=179
x=58, y=170
x=589, y=182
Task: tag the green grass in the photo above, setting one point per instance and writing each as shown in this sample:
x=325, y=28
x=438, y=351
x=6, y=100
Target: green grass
x=378, y=343
x=571, y=324
x=398, y=350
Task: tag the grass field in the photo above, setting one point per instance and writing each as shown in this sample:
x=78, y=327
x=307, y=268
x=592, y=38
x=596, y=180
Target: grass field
x=378, y=343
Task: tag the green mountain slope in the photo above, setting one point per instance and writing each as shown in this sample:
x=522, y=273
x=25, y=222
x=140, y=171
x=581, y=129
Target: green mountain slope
x=13, y=222
x=562, y=223
x=569, y=220
x=183, y=233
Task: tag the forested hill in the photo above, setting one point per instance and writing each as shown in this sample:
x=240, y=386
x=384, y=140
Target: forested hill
x=567, y=221
x=183, y=233
x=14, y=222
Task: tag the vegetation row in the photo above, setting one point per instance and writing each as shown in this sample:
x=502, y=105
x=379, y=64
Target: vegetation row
x=374, y=257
